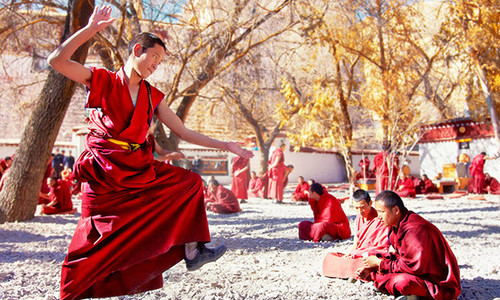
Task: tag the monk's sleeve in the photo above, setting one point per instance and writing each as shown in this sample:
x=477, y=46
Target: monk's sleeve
x=411, y=254
x=314, y=206
x=99, y=87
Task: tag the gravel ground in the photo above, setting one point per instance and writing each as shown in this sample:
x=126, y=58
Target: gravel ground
x=265, y=258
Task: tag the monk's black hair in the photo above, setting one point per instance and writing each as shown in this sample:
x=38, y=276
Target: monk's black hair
x=318, y=188
x=7, y=158
x=483, y=153
x=214, y=182
x=361, y=195
x=146, y=40
x=391, y=200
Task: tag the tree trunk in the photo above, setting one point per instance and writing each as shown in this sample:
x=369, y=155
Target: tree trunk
x=19, y=197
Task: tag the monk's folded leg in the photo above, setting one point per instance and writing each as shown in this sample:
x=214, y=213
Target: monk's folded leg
x=337, y=266
x=402, y=284
x=305, y=230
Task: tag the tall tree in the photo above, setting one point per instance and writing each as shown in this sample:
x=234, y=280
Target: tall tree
x=476, y=23
x=18, y=198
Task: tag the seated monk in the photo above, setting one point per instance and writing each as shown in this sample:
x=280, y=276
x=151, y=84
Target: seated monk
x=45, y=189
x=59, y=197
x=221, y=200
x=255, y=186
x=5, y=164
x=301, y=191
x=427, y=186
x=492, y=185
x=422, y=263
x=405, y=187
x=330, y=222
x=370, y=239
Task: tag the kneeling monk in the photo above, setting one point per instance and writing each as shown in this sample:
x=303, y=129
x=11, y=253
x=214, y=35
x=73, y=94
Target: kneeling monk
x=221, y=200
x=139, y=216
x=422, y=263
x=59, y=197
x=330, y=221
x=371, y=238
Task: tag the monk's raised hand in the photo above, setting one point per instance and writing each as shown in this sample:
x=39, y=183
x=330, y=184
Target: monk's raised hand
x=101, y=18
x=233, y=147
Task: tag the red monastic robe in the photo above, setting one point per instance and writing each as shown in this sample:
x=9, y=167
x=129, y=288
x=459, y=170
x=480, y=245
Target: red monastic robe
x=276, y=175
x=300, y=192
x=4, y=166
x=45, y=188
x=477, y=184
x=329, y=218
x=422, y=264
x=240, y=181
x=405, y=188
x=372, y=239
x=255, y=187
x=60, y=193
x=137, y=213
x=224, y=201
x=428, y=187
x=381, y=170
x=493, y=186
x=364, y=165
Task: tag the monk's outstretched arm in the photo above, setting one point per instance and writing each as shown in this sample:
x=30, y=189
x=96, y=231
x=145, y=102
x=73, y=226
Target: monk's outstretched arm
x=60, y=59
x=172, y=121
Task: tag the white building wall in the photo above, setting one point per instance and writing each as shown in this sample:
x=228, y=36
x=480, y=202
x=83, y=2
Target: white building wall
x=434, y=155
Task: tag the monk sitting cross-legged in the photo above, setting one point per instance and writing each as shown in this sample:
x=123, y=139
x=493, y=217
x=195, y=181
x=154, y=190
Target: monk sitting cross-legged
x=422, y=263
x=330, y=222
x=301, y=191
x=59, y=197
x=370, y=239
x=221, y=200
x=405, y=187
x=255, y=186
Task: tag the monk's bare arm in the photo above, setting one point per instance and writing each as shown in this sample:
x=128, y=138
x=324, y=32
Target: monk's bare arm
x=60, y=59
x=172, y=121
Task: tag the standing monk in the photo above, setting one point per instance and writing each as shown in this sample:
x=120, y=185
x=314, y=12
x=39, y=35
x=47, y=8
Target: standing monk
x=371, y=238
x=381, y=163
x=139, y=216
x=330, y=222
x=364, y=165
x=221, y=200
x=477, y=184
x=276, y=173
x=255, y=186
x=422, y=263
x=301, y=192
x=240, y=171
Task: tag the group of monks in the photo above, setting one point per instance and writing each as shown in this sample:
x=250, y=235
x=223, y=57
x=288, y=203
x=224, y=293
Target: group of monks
x=402, y=253
x=388, y=176
x=268, y=185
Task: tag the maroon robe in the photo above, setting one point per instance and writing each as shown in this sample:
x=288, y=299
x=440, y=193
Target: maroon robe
x=60, y=193
x=477, y=184
x=276, y=175
x=137, y=213
x=428, y=187
x=493, y=186
x=364, y=165
x=300, y=192
x=422, y=264
x=255, y=188
x=372, y=239
x=224, y=201
x=382, y=171
x=45, y=189
x=329, y=218
x=405, y=188
x=240, y=181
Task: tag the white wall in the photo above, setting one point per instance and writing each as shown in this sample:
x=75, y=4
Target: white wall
x=434, y=155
